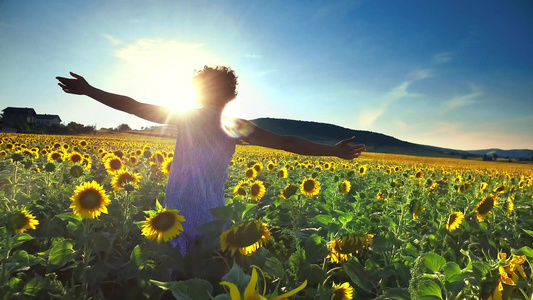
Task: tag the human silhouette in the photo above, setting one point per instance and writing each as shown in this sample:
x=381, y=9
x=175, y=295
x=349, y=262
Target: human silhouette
x=205, y=143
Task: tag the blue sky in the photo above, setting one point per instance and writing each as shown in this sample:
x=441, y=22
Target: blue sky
x=456, y=74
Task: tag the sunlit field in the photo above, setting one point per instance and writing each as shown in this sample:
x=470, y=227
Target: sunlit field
x=83, y=217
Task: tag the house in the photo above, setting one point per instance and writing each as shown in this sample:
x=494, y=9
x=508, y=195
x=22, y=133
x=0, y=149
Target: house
x=14, y=116
x=18, y=115
x=47, y=120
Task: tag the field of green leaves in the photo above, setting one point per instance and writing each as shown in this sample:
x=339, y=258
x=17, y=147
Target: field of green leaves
x=83, y=217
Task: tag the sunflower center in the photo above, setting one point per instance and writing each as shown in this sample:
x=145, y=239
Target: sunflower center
x=90, y=199
x=75, y=158
x=486, y=206
x=255, y=189
x=338, y=294
x=452, y=219
x=309, y=185
x=245, y=236
x=163, y=221
x=115, y=164
x=123, y=178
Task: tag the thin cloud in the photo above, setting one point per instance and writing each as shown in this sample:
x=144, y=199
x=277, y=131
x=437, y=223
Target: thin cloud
x=113, y=40
x=253, y=56
x=461, y=101
x=442, y=58
x=368, y=117
x=146, y=50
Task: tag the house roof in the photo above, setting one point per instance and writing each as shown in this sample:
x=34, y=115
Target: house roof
x=48, y=117
x=20, y=110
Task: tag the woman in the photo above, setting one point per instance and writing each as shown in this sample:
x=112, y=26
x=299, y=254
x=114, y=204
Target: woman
x=204, y=146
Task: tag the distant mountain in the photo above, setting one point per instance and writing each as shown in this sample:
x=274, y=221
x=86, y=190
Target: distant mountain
x=331, y=134
x=521, y=153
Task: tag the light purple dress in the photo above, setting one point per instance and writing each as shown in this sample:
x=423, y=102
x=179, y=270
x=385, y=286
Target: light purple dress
x=198, y=172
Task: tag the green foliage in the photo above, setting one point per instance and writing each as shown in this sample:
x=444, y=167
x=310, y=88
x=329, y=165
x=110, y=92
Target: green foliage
x=409, y=257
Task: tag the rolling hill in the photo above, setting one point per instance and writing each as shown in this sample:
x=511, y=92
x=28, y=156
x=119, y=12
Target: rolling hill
x=375, y=142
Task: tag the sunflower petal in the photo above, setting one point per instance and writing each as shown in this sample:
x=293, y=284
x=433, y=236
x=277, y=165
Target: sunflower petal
x=293, y=292
x=233, y=290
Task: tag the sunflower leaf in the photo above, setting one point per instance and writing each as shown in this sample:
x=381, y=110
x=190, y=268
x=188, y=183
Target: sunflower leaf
x=237, y=276
x=428, y=289
x=357, y=274
x=60, y=254
x=434, y=262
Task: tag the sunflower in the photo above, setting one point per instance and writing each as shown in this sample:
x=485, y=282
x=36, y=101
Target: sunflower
x=113, y=164
x=251, y=173
x=132, y=160
x=342, y=248
x=165, y=225
x=345, y=187
x=501, y=188
x=342, y=292
x=122, y=177
x=158, y=157
x=362, y=170
x=167, y=164
x=510, y=205
x=484, y=207
x=282, y=173
x=419, y=175
x=23, y=220
x=75, y=158
x=89, y=200
x=310, y=187
x=257, y=190
x=83, y=143
x=246, y=238
x=271, y=165
x=454, y=220
x=288, y=191
x=239, y=189
x=55, y=156
x=258, y=167
x=250, y=290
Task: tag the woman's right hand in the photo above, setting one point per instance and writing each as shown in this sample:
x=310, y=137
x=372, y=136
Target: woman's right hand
x=78, y=85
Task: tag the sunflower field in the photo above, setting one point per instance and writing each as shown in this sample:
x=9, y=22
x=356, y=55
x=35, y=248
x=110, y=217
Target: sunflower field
x=83, y=217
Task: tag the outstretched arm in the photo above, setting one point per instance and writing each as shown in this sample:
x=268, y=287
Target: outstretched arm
x=260, y=137
x=79, y=86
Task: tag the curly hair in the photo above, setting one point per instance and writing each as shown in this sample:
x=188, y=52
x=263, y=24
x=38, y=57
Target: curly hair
x=218, y=81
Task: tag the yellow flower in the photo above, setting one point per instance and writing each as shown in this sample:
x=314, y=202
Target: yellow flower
x=342, y=248
x=310, y=187
x=342, y=292
x=510, y=205
x=113, y=164
x=484, y=207
x=345, y=187
x=239, y=189
x=419, y=175
x=362, y=170
x=165, y=225
x=89, y=200
x=454, y=220
x=250, y=291
x=75, y=158
x=501, y=188
x=257, y=190
x=251, y=173
x=288, y=191
x=246, y=238
x=283, y=173
x=23, y=220
x=165, y=167
x=55, y=156
x=122, y=177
